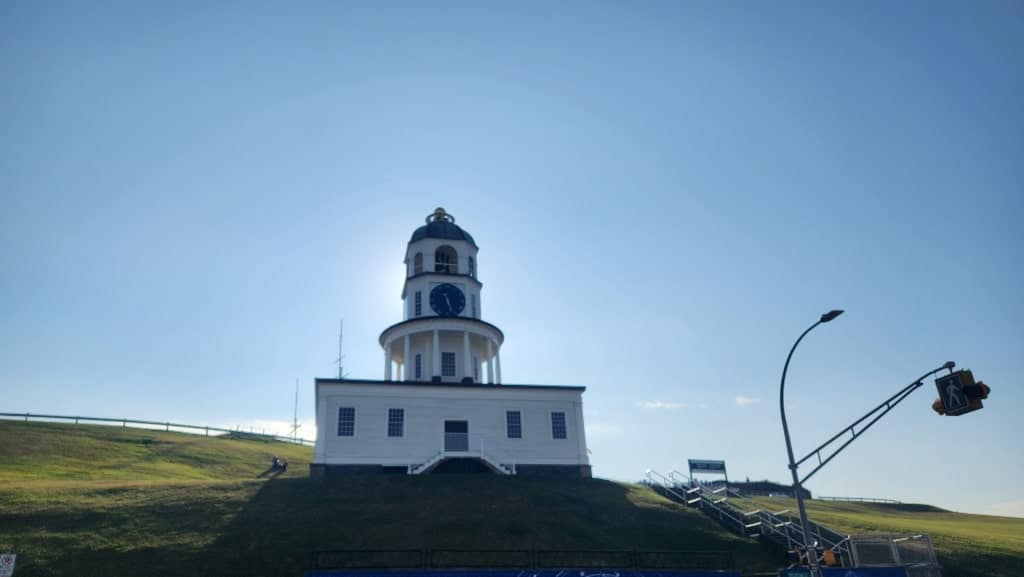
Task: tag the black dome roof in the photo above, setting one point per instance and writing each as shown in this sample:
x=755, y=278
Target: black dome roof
x=442, y=225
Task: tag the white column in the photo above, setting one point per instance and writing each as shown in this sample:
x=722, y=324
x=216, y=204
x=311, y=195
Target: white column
x=321, y=440
x=468, y=362
x=428, y=358
x=581, y=436
x=490, y=363
x=387, y=361
x=435, y=368
x=406, y=360
x=497, y=364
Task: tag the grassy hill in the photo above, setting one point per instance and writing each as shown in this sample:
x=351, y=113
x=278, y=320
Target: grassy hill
x=94, y=500
x=966, y=545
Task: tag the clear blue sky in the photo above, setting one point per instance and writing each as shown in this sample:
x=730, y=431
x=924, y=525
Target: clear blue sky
x=664, y=194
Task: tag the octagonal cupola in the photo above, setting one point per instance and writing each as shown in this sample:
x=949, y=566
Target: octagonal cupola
x=440, y=252
x=442, y=305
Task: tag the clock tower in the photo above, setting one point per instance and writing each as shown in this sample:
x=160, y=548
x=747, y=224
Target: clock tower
x=442, y=406
x=442, y=337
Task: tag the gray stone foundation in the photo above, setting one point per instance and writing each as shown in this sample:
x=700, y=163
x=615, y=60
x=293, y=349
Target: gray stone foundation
x=554, y=470
x=318, y=471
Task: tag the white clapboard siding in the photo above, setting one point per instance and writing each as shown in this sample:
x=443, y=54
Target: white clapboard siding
x=428, y=406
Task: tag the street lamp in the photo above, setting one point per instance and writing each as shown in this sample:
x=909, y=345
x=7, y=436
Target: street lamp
x=810, y=551
x=963, y=383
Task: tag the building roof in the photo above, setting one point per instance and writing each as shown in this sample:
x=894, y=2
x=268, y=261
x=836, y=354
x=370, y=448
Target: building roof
x=445, y=384
x=442, y=225
x=442, y=323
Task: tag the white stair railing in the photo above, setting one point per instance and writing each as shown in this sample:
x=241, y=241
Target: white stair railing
x=696, y=496
x=462, y=451
x=666, y=484
x=791, y=531
x=417, y=469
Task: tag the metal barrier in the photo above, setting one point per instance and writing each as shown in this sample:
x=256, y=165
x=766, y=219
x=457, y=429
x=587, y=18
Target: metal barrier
x=913, y=552
x=368, y=559
x=478, y=559
x=166, y=425
x=860, y=500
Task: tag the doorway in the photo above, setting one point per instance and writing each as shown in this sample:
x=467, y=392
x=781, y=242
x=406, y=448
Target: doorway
x=456, y=436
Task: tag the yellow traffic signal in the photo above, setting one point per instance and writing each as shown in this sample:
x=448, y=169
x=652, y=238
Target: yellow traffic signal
x=959, y=393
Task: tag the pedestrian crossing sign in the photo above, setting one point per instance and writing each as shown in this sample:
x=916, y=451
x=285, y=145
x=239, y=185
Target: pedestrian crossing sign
x=951, y=392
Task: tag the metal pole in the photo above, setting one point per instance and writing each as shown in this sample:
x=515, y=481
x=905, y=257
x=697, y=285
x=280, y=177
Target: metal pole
x=809, y=549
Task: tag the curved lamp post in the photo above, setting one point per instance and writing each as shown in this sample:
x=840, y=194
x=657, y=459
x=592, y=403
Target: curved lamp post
x=809, y=549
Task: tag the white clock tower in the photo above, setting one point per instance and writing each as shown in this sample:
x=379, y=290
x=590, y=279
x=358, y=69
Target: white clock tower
x=441, y=406
x=442, y=337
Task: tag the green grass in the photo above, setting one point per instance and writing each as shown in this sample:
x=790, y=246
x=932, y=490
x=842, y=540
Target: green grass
x=966, y=545
x=53, y=452
x=92, y=500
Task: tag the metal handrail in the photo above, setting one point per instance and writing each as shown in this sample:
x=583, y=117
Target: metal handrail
x=167, y=426
x=767, y=522
x=672, y=475
x=826, y=536
x=651, y=474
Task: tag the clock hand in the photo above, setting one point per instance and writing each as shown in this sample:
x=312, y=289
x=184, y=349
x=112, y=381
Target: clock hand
x=447, y=300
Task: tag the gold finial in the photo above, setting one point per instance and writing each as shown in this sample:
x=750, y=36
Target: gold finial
x=440, y=215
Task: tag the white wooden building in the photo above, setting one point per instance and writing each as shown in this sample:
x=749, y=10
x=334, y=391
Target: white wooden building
x=442, y=405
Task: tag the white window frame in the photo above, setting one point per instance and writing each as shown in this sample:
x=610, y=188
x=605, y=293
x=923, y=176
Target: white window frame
x=565, y=426
x=338, y=430
x=454, y=364
x=508, y=430
x=401, y=423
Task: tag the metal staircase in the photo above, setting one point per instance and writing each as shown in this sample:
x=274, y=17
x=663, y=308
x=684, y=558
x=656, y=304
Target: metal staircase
x=780, y=526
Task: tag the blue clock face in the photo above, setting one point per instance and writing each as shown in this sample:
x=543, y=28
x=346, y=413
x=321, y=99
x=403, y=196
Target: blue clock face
x=447, y=300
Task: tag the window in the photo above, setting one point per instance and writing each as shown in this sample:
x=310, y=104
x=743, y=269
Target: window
x=417, y=263
x=514, y=424
x=447, y=364
x=346, y=421
x=396, y=422
x=472, y=301
x=446, y=260
x=476, y=369
x=472, y=267
x=419, y=366
x=418, y=303
x=558, y=425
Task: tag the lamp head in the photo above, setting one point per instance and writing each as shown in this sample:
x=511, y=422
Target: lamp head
x=949, y=365
x=830, y=315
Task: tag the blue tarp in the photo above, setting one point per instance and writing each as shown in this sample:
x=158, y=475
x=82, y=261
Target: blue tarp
x=522, y=573
x=864, y=572
x=854, y=572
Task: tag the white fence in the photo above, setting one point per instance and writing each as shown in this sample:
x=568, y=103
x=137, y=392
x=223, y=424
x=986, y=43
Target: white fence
x=167, y=426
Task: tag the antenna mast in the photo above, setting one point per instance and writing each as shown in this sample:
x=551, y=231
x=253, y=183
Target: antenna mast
x=295, y=415
x=341, y=355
